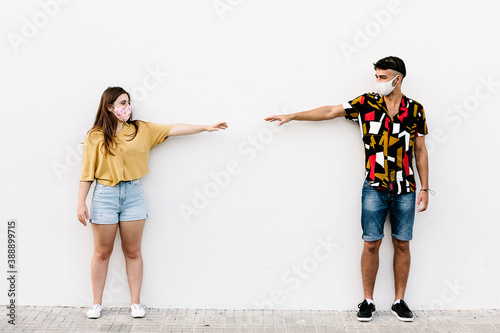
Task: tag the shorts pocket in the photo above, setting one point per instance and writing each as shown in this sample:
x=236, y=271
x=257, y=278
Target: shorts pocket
x=136, y=187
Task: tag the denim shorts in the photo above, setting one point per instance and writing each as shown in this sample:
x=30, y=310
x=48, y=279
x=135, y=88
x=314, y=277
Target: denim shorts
x=376, y=204
x=122, y=202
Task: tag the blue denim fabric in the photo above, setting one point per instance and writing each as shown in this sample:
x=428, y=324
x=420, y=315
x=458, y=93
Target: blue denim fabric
x=123, y=202
x=375, y=206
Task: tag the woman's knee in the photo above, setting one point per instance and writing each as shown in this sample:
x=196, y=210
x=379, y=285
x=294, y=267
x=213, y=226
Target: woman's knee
x=103, y=252
x=131, y=252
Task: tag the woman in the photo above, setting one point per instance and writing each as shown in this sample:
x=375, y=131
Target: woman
x=116, y=154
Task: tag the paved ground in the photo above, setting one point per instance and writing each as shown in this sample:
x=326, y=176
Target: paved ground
x=66, y=319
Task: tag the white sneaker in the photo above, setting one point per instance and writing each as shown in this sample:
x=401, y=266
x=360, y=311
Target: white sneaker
x=137, y=311
x=95, y=311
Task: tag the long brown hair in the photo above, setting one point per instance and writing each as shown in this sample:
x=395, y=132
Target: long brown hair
x=106, y=122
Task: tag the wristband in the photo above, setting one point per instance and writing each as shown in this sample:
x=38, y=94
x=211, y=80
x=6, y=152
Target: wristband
x=428, y=190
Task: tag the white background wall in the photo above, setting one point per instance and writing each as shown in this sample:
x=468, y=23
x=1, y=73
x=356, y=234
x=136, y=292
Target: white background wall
x=256, y=242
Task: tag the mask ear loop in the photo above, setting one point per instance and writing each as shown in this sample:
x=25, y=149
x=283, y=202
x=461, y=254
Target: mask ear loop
x=393, y=81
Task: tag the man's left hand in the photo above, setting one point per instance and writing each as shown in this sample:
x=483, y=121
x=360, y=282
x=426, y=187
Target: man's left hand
x=423, y=198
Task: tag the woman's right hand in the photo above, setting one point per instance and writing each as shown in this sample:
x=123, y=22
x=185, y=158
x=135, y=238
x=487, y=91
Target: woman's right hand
x=83, y=190
x=83, y=214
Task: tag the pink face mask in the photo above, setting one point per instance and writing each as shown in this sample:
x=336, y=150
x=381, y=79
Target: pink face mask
x=123, y=114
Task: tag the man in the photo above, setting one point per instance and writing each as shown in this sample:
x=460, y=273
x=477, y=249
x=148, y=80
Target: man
x=394, y=130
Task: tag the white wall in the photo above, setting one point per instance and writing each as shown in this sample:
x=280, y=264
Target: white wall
x=301, y=188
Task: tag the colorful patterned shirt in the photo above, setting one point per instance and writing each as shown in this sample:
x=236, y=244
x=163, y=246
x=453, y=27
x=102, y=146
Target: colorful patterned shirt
x=389, y=142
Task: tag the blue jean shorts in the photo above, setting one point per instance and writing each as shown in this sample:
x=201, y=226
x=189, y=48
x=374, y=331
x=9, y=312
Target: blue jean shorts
x=123, y=202
x=376, y=204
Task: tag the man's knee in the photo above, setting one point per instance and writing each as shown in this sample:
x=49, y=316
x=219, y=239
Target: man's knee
x=372, y=247
x=401, y=246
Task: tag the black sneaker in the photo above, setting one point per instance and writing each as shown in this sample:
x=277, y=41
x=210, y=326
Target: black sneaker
x=365, y=311
x=402, y=311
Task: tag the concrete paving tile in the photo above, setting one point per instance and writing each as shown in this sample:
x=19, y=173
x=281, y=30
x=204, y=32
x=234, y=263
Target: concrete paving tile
x=66, y=319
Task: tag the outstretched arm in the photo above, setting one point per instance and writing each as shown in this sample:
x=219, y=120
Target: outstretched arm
x=422, y=162
x=185, y=129
x=322, y=113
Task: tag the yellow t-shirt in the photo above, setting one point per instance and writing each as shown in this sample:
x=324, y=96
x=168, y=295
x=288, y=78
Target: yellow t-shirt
x=130, y=159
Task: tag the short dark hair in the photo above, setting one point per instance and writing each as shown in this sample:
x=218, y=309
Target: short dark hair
x=393, y=63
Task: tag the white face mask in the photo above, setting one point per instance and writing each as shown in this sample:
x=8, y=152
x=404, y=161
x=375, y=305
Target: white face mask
x=384, y=88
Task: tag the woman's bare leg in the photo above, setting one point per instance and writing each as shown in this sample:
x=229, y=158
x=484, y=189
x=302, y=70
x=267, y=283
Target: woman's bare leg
x=131, y=235
x=104, y=238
